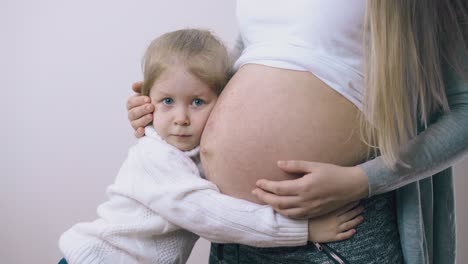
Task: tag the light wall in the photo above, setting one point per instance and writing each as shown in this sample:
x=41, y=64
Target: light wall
x=66, y=69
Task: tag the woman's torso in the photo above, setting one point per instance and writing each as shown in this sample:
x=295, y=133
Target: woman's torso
x=294, y=96
x=267, y=114
x=376, y=242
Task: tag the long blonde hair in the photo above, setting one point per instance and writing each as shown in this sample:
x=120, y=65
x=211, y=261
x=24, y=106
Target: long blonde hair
x=408, y=45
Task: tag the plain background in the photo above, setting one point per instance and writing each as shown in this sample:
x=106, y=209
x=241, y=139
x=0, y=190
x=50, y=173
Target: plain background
x=66, y=71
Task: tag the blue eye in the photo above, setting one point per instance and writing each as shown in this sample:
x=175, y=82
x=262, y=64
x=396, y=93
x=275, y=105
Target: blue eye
x=197, y=102
x=168, y=101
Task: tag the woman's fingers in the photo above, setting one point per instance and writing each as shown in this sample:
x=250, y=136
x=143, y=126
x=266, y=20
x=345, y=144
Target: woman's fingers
x=137, y=100
x=136, y=87
x=296, y=166
x=140, y=116
x=294, y=213
x=139, y=132
x=138, y=112
x=277, y=202
x=286, y=187
x=142, y=122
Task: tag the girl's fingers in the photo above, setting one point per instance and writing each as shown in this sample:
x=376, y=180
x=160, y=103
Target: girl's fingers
x=351, y=214
x=345, y=235
x=286, y=187
x=350, y=224
x=277, y=202
x=346, y=208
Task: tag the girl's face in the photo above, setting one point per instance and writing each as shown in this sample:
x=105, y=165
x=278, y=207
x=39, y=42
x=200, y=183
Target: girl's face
x=183, y=104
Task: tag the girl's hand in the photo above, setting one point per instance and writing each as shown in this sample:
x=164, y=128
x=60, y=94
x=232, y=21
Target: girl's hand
x=140, y=110
x=323, y=188
x=337, y=225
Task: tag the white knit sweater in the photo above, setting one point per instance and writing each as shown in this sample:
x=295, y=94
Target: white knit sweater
x=159, y=191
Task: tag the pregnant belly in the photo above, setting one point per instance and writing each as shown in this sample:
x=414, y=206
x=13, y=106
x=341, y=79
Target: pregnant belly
x=268, y=114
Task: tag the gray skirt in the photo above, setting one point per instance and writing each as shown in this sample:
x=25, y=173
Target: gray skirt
x=376, y=241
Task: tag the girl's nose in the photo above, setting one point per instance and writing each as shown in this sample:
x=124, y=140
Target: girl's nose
x=182, y=118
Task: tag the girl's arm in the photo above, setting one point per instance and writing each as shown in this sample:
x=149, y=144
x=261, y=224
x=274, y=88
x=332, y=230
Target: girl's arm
x=157, y=192
x=168, y=184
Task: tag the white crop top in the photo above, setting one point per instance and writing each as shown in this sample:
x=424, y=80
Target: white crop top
x=324, y=37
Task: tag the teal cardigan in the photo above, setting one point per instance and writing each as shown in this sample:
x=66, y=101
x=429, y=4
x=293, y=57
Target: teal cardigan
x=424, y=191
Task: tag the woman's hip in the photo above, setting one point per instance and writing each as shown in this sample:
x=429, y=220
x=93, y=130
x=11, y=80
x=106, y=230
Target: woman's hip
x=376, y=241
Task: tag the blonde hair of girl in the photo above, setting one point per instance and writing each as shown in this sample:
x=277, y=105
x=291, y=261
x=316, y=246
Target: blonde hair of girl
x=198, y=50
x=409, y=44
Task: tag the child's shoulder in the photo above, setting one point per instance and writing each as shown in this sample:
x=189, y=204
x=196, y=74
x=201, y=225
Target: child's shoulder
x=153, y=152
x=150, y=144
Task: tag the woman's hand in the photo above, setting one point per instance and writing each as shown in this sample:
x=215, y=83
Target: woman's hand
x=323, y=188
x=140, y=110
x=337, y=225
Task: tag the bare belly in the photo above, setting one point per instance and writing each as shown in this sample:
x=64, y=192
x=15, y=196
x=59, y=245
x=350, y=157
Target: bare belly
x=268, y=114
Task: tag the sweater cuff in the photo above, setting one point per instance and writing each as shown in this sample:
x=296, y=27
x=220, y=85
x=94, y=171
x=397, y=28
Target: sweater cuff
x=292, y=232
x=376, y=175
x=79, y=249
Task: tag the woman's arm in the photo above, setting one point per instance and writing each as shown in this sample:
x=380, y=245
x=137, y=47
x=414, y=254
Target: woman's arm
x=324, y=187
x=140, y=110
x=438, y=147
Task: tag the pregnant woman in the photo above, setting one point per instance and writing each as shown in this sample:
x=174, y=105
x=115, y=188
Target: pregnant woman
x=298, y=92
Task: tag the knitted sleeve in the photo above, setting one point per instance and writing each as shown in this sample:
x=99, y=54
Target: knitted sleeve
x=438, y=147
x=182, y=197
x=126, y=231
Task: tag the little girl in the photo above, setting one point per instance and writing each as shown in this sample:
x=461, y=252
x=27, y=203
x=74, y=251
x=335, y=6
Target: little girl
x=160, y=202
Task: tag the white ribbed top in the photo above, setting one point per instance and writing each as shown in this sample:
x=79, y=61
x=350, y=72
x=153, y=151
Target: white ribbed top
x=322, y=37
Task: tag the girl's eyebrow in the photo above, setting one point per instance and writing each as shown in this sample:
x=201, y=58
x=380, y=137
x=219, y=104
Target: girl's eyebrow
x=202, y=94
x=164, y=92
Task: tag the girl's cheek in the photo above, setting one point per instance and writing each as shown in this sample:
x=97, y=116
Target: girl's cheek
x=163, y=108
